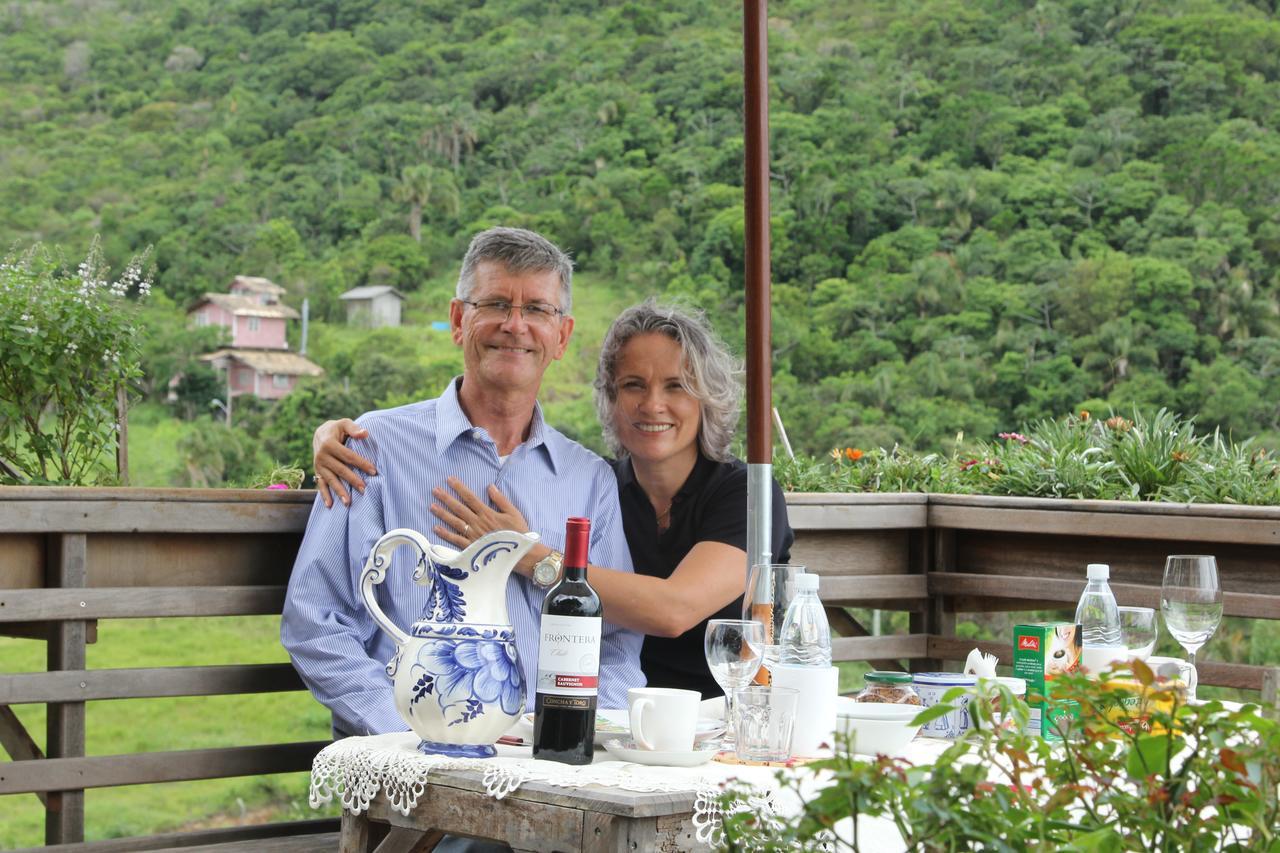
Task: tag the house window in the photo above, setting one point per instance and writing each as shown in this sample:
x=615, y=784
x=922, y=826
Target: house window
x=202, y=319
x=254, y=323
x=280, y=380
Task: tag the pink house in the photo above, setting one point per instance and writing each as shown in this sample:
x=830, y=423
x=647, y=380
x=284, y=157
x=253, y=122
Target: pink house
x=269, y=374
x=252, y=311
x=258, y=361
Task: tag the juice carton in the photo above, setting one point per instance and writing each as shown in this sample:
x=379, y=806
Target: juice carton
x=1131, y=705
x=1041, y=652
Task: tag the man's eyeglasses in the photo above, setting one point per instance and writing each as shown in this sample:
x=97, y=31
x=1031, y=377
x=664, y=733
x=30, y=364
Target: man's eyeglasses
x=499, y=310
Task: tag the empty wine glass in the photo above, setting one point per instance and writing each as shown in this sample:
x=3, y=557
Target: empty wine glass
x=770, y=588
x=1191, y=601
x=734, y=648
x=1138, y=631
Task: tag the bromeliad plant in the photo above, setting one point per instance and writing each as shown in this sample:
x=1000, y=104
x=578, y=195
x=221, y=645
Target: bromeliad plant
x=1174, y=777
x=1158, y=458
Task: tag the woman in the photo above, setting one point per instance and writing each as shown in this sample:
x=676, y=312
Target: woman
x=667, y=395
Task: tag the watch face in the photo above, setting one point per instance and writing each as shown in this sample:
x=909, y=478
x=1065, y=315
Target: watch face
x=545, y=573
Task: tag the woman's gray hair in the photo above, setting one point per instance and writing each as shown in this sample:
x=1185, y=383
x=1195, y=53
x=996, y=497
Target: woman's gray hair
x=520, y=251
x=709, y=372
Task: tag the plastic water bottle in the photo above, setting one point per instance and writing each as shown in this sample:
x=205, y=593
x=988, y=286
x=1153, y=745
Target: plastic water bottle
x=806, y=636
x=1099, y=620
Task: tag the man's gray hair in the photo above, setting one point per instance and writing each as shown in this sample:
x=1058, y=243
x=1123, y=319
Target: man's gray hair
x=708, y=371
x=520, y=251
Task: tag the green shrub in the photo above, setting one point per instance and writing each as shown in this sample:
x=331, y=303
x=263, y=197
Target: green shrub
x=1201, y=777
x=68, y=347
x=1158, y=457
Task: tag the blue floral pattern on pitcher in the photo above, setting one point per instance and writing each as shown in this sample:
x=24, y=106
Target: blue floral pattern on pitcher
x=466, y=675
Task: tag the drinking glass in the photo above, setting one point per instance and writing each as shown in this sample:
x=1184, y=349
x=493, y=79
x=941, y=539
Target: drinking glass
x=733, y=648
x=1191, y=602
x=764, y=718
x=1138, y=631
x=770, y=588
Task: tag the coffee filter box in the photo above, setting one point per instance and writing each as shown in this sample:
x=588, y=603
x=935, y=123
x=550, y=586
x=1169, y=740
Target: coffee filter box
x=1041, y=652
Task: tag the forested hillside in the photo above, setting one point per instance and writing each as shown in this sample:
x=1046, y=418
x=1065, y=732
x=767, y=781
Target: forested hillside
x=985, y=212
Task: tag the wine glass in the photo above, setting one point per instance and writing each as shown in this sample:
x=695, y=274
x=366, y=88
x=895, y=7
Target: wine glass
x=1191, y=602
x=1138, y=631
x=734, y=648
x=770, y=588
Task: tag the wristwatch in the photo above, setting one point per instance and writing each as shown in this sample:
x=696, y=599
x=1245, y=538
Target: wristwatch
x=547, y=570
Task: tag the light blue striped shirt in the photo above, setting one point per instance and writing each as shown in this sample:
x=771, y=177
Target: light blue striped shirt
x=335, y=645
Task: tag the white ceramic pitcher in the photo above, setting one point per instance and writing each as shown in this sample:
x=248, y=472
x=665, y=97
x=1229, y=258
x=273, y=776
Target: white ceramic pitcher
x=457, y=678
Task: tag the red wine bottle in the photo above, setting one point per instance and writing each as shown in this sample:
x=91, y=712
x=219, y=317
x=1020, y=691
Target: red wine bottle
x=564, y=721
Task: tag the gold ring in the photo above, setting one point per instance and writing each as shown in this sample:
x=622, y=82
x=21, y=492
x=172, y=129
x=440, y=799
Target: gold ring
x=465, y=530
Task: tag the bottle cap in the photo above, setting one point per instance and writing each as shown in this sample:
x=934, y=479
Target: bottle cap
x=1098, y=571
x=880, y=676
x=577, y=537
x=806, y=581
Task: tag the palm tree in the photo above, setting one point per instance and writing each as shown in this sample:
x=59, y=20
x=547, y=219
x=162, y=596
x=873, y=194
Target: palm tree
x=453, y=130
x=423, y=185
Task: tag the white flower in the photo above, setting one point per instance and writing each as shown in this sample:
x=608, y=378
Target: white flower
x=26, y=317
x=71, y=347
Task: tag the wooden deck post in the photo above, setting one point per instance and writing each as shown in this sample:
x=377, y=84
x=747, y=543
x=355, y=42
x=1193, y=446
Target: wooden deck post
x=64, y=810
x=938, y=618
x=1271, y=692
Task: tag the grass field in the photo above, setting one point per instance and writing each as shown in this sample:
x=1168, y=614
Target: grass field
x=139, y=725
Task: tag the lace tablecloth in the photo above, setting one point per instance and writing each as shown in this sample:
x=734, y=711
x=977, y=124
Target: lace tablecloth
x=356, y=770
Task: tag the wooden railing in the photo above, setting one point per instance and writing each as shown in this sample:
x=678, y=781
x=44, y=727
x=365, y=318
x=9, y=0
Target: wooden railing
x=942, y=556
x=69, y=557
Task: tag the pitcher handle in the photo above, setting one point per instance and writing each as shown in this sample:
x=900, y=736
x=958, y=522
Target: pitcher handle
x=375, y=572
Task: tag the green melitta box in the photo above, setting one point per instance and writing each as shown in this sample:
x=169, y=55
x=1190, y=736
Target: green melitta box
x=1041, y=652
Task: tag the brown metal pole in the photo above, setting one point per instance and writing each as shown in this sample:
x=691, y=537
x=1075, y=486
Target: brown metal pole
x=759, y=344
x=755, y=31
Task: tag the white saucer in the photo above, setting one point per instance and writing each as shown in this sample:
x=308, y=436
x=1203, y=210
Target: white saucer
x=707, y=729
x=628, y=751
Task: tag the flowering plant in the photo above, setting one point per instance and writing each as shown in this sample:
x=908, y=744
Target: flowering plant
x=68, y=349
x=1156, y=457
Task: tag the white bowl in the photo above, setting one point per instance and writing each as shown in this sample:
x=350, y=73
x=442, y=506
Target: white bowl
x=873, y=728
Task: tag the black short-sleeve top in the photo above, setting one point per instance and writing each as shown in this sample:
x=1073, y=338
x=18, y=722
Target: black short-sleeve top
x=710, y=507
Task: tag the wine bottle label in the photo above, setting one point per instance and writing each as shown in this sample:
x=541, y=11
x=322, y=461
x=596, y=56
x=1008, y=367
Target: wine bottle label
x=569, y=655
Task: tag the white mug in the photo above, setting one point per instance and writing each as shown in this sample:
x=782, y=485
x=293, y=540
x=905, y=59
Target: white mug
x=663, y=719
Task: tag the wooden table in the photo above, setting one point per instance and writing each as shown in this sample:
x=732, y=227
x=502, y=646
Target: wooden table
x=535, y=816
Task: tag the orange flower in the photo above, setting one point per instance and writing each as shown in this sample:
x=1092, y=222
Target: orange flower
x=1119, y=424
x=1179, y=456
x=1084, y=414
x=853, y=454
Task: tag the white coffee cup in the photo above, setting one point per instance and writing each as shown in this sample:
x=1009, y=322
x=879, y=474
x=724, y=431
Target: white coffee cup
x=663, y=719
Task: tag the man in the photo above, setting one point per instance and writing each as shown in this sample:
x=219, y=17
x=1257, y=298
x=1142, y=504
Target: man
x=511, y=319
